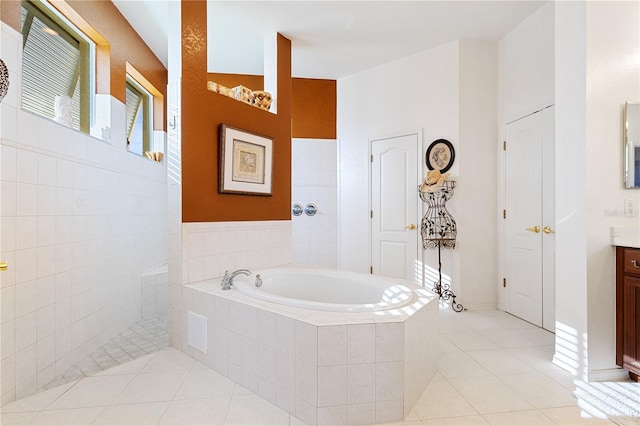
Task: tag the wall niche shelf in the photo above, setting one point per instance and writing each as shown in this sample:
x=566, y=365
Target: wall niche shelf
x=256, y=98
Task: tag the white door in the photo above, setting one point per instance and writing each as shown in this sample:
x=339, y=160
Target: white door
x=530, y=218
x=394, y=207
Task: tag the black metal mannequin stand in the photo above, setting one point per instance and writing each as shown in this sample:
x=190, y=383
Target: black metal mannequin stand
x=439, y=230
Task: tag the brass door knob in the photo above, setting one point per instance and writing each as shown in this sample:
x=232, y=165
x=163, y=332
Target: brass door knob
x=535, y=229
x=4, y=266
x=548, y=230
x=410, y=227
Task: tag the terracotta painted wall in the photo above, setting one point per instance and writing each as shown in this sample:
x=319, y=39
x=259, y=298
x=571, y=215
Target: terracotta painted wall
x=202, y=113
x=125, y=45
x=10, y=13
x=313, y=103
x=314, y=108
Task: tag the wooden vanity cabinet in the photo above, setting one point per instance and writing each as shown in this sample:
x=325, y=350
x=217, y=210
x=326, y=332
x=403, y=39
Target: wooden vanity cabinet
x=628, y=310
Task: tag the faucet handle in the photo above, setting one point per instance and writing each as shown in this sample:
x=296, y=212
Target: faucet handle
x=225, y=278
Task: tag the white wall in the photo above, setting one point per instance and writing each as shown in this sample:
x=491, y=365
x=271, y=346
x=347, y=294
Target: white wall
x=427, y=92
x=526, y=85
x=478, y=173
x=314, y=173
x=571, y=207
x=612, y=77
x=527, y=66
x=82, y=220
x=419, y=91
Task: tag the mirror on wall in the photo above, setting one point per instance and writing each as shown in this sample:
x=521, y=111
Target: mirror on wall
x=632, y=144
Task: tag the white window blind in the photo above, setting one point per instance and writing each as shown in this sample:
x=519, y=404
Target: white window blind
x=51, y=64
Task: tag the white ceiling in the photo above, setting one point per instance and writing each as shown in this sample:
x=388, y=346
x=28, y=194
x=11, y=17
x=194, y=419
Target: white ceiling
x=330, y=39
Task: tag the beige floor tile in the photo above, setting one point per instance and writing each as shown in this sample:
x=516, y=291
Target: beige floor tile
x=402, y=423
x=169, y=360
x=18, y=418
x=92, y=392
x=294, y=421
x=524, y=418
x=134, y=414
x=131, y=367
x=253, y=410
x=151, y=387
x=487, y=394
x=440, y=399
x=459, y=364
x=75, y=416
x=206, y=411
x=39, y=401
x=539, y=390
x=499, y=361
x=518, y=338
x=471, y=341
x=204, y=384
x=445, y=345
x=461, y=421
x=572, y=416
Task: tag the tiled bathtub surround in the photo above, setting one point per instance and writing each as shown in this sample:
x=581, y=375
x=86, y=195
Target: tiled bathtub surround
x=210, y=248
x=322, y=367
x=82, y=219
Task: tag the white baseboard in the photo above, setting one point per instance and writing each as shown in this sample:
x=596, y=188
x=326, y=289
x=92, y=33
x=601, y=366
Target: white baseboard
x=608, y=375
x=480, y=306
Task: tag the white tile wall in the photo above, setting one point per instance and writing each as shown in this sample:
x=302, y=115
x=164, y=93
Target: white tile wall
x=82, y=220
x=155, y=293
x=314, y=171
x=371, y=372
x=209, y=249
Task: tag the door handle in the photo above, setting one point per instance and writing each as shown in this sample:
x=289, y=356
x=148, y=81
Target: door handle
x=410, y=227
x=4, y=266
x=535, y=229
x=548, y=230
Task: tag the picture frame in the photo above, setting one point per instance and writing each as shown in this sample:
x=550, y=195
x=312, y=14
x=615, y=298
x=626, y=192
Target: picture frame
x=440, y=155
x=245, y=162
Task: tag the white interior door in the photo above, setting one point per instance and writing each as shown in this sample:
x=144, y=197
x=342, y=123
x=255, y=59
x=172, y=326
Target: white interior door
x=530, y=218
x=394, y=207
x=548, y=220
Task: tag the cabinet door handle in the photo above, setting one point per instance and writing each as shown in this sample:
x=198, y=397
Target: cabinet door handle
x=535, y=229
x=635, y=264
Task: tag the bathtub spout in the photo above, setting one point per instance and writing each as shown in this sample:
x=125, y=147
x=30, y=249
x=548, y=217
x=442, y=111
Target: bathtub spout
x=227, y=280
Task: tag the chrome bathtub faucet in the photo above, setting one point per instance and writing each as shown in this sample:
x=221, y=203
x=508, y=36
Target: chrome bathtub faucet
x=227, y=280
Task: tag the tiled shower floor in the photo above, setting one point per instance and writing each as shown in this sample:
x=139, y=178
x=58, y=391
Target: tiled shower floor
x=144, y=337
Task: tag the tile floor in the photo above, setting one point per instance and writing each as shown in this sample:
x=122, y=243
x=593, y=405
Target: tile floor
x=144, y=337
x=494, y=369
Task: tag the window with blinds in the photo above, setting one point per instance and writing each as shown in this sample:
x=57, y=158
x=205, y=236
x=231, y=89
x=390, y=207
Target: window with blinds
x=55, y=63
x=138, y=104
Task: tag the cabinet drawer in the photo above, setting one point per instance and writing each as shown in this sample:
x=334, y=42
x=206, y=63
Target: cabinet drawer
x=632, y=261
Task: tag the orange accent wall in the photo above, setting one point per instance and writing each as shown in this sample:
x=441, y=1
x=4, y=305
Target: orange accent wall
x=202, y=113
x=10, y=13
x=314, y=108
x=313, y=103
x=126, y=45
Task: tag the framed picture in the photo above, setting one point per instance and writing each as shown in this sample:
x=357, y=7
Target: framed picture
x=440, y=155
x=245, y=161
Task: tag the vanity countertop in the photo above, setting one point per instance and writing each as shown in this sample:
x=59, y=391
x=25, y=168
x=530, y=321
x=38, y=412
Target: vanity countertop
x=625, y=237
x=626, y=243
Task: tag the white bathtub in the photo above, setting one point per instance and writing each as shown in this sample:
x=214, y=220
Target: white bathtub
x=326, y=290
